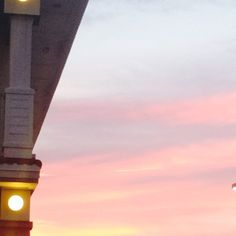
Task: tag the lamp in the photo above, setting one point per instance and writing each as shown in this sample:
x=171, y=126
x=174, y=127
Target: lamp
x=234, y=187
x=15, y=203
x=22, y=7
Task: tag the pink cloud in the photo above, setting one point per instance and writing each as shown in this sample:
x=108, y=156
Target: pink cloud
x=212, y=110
x=175, y=200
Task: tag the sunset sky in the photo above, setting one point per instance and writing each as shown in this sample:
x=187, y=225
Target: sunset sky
x=140, y=139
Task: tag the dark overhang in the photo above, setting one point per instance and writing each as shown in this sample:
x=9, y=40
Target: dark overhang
x=52, y=40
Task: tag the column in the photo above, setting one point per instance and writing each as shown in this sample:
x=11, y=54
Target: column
x=19, y=170
x=18, y=133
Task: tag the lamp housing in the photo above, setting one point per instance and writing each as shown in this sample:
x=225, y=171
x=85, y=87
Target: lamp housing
x=9, y=193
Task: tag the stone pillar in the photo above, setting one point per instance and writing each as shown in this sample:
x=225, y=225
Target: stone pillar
x=19, y=170
x=18, y=133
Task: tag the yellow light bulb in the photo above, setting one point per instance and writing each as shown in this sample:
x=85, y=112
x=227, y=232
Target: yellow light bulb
x=22, y=0
x=15, y=203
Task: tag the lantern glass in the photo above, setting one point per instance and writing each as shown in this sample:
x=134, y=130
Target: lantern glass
x=15, y=203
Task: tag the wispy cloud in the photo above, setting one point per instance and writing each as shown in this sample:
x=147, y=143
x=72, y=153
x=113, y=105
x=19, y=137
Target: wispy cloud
x=210, y=110
x=190, y=182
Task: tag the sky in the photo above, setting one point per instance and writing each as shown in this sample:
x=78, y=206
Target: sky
x=140, y=138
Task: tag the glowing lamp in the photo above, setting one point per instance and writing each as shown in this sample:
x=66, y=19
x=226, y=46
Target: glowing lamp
x=15, y=203
x=22, y=7
x=234, y=187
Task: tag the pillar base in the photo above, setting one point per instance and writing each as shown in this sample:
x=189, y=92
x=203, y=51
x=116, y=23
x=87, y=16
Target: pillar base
x=15, y=228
